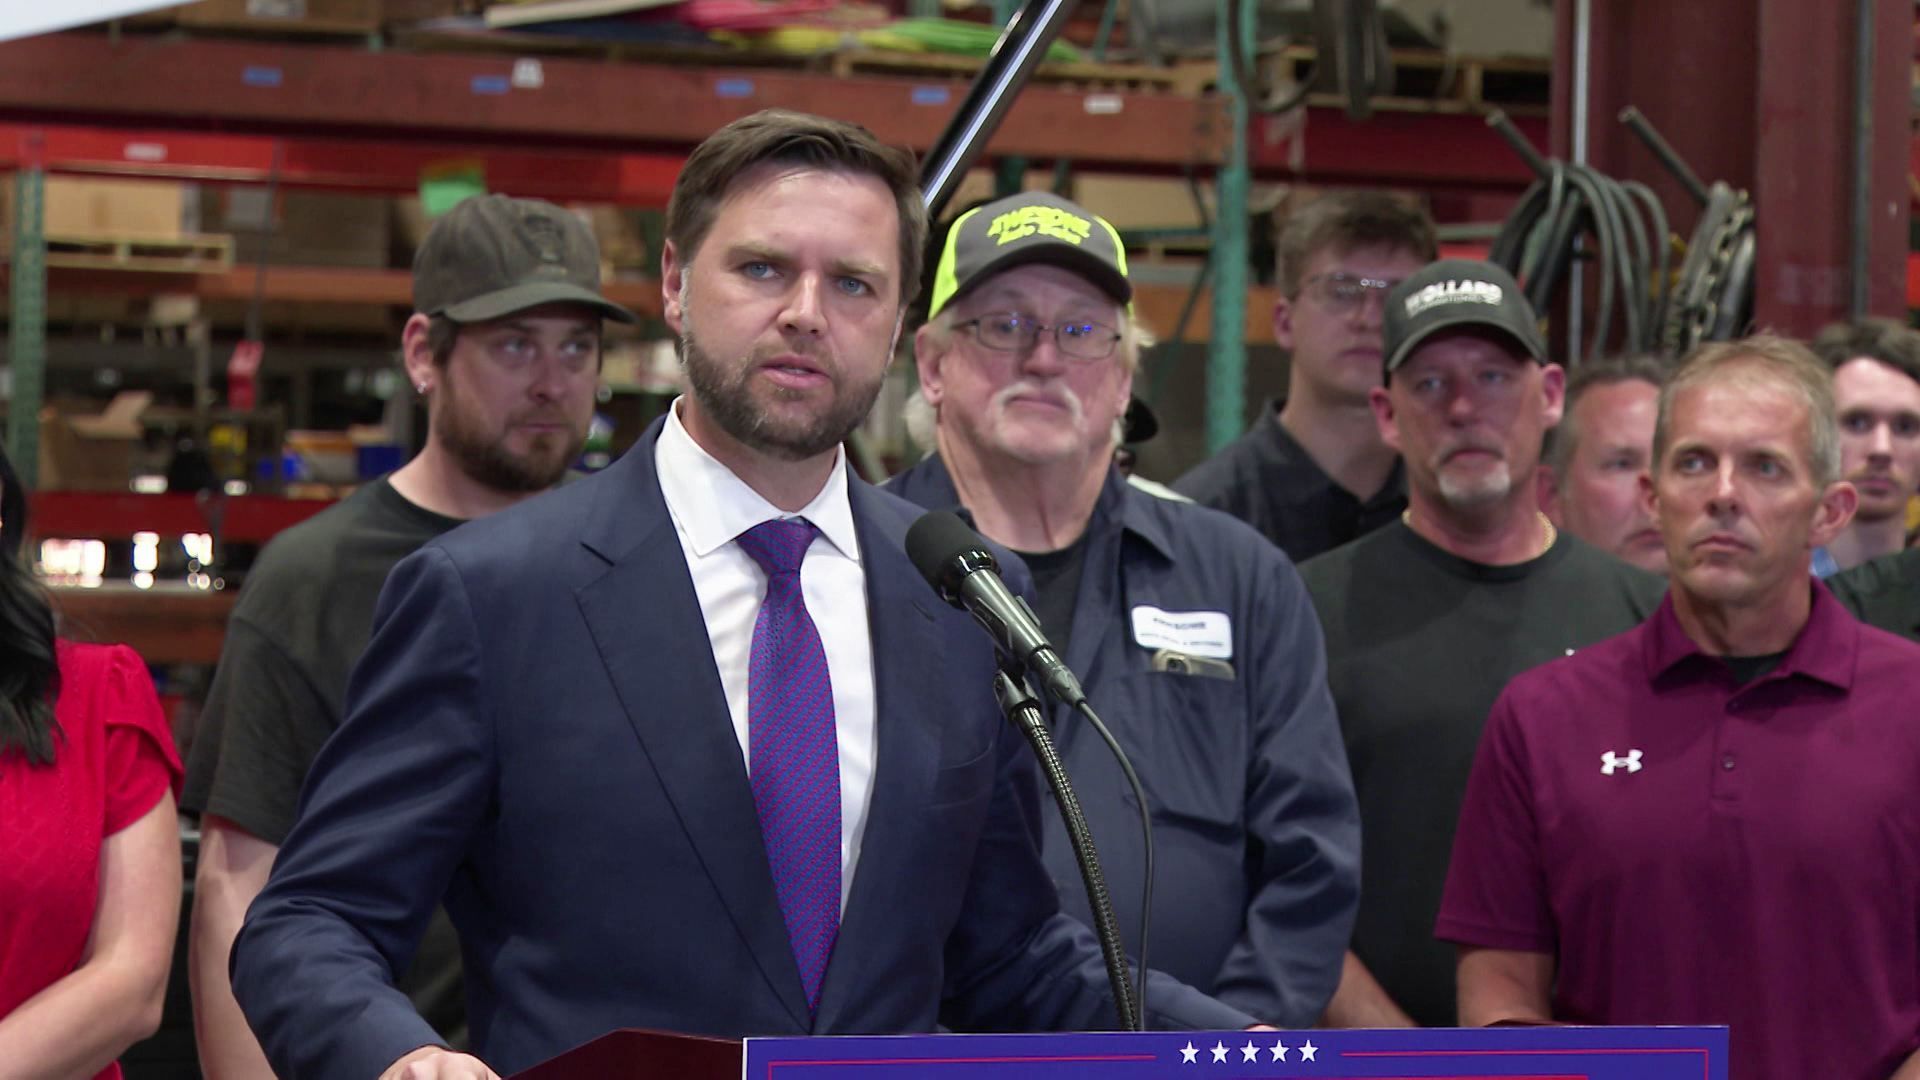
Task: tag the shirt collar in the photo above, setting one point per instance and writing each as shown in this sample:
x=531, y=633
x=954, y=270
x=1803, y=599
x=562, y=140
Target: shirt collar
x=712, y=505
x=1825, y=649
x=1118, y=501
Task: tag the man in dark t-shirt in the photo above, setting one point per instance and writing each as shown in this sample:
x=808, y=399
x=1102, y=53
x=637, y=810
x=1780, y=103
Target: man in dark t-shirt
x=1428, y=618
x=504, y=345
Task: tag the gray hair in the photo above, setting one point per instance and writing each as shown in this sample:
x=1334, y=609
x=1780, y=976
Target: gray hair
x=921, y=417
x=1766, y=359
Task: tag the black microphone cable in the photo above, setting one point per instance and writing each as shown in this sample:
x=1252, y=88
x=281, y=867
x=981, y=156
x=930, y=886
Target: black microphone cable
x=1146, y=840
x=948, y=553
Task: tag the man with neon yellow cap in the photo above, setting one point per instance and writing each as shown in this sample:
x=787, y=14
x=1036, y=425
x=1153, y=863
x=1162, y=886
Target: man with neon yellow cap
x=1194, y=638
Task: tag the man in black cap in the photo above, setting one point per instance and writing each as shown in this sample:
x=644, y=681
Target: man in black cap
x=504, y=345
x=1427, y=619
x=1192, y=635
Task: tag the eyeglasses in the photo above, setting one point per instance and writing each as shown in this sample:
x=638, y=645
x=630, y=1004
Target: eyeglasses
x=1003, y=331
x=1343, y=292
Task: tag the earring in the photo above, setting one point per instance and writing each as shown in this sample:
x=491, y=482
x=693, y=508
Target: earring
x=421, y=386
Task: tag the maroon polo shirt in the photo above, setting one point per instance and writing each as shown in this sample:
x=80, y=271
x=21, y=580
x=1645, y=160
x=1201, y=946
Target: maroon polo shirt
x=1696, y=852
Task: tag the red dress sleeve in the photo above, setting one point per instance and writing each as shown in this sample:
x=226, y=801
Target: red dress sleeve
x=142, y=762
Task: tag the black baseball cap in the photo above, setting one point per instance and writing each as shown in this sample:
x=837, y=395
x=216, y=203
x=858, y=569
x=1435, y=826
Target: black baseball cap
x=1456, y=293
x=1031, y=227
x=492, y=255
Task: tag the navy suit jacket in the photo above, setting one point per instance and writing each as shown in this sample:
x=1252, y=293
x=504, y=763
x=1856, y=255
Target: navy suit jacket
x=537, y=734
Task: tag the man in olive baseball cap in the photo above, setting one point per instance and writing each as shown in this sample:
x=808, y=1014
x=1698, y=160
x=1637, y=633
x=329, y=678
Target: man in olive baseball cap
x=505, y=347
x=492, y=255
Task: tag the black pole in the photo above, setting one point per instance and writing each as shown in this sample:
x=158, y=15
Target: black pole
x=1637, y=123
x=1031, y=30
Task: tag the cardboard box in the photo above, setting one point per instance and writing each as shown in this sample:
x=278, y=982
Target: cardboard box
x=1131, y=202
x=92, y=453
x=308, y=228
x=85, y=207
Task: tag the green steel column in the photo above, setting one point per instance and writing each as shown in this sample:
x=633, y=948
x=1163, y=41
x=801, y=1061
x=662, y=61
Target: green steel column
x=27, y=340
x=1227, y=358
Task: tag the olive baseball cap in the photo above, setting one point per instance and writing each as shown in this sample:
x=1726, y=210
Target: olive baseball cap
x=1031, y=227
x=492, y=255
x=1454, y=293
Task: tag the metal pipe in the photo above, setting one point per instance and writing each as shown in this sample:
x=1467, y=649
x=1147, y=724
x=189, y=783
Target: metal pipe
x=1861, y=255
x=27, y=330
x=1582, y=102
x=1663, y=150
x=1227, y=357
x=1014, y=57
x=1514, y=137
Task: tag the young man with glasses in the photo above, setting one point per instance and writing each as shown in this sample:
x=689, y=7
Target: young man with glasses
x=1312, y=473
x=1193, y=637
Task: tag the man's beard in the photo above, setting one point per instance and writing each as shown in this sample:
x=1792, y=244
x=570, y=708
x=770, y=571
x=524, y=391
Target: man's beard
x=488, y=460
x=1489, y=487
x=726, y=394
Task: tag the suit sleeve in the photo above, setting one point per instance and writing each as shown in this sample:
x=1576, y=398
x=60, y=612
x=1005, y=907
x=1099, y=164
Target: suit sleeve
x=1015, y=962
x=1302, y=819
x=387, y=813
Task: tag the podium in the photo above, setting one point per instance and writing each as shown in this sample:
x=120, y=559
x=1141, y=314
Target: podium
x=1519, y=1053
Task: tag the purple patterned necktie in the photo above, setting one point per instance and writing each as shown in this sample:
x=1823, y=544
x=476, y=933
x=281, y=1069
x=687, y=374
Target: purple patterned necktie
x=792, y=750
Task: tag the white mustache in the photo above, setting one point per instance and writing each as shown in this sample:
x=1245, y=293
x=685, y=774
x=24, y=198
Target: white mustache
x=1062, y=393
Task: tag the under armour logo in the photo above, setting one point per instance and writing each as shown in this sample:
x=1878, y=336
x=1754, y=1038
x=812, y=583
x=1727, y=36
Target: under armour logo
x=1609, y=761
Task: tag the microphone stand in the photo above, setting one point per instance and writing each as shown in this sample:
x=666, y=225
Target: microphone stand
x=1023, y=711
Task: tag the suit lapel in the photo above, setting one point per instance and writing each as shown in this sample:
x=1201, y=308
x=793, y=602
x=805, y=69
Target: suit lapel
x=908, y=718
x=645, y=620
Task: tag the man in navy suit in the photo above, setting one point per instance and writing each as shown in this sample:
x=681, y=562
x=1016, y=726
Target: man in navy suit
x=689, y=744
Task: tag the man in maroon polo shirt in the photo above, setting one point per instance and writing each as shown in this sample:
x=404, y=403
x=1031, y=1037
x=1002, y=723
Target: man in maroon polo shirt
x=1713, y=818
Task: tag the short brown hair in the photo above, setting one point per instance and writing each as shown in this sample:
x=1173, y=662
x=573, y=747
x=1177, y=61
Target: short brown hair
x=1779, y=360
x=1564, y=438
x=1892, y=343
x=1347, y=221
x=794, y=138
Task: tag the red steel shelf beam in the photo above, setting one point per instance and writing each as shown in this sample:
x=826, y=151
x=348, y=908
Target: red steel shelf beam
x=637, y=179
x=337, y=92
x=592, y=131
x=249, y=519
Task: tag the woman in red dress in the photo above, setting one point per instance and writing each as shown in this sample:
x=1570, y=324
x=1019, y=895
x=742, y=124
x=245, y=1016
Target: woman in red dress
x=89, y=845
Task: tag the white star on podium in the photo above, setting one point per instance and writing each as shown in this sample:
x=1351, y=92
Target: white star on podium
x=1187, y=1052
x=1307, y=1051
x=1279, y=1050
x=1249, y=1052
x=1219, y=1052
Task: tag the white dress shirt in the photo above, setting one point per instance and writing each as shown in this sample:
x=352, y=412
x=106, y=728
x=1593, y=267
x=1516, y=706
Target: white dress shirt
x=710, y=506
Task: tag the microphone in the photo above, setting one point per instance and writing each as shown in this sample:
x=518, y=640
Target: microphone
x=961, y=568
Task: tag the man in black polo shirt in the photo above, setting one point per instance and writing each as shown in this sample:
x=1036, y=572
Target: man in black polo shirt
x=1428, y=618
x=1313, y=473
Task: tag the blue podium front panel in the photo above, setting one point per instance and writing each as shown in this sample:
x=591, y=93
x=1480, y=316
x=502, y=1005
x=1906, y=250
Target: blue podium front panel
x=1509, y=1053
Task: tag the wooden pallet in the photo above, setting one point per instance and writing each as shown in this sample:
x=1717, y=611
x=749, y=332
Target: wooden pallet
x=1433, y=81
x=193, y=254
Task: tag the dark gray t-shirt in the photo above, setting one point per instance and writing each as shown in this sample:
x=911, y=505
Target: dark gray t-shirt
x=304, y=616
x=1056, y=589
x=1419, y=644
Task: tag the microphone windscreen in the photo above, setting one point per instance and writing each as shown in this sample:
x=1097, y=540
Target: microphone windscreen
x=937, y=540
